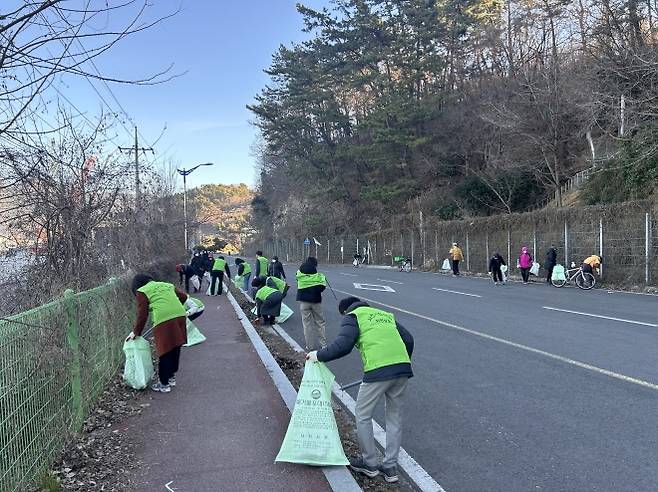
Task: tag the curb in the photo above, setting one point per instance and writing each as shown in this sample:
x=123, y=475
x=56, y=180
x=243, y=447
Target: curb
x=414, y=472
x=339, y=478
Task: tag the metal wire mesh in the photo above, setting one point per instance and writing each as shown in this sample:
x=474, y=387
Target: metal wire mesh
x=54, y=363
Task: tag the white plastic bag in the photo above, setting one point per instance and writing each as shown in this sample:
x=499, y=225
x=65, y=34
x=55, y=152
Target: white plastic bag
x=446, y=264
x=286, y=313
x=138, y=371
x=535, y=269
x=503, y=270
x=196, y=283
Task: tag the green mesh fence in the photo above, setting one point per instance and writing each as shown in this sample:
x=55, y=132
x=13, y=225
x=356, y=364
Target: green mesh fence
x=54, y=362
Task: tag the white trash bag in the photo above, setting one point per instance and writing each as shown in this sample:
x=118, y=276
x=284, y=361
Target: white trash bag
x=446, y=264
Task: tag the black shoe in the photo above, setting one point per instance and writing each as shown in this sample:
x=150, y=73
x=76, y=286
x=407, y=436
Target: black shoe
x=390, y=474
x=359, y=466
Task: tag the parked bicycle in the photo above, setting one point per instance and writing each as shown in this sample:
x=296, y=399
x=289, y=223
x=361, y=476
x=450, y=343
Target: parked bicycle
x=404, y=263
x=583, y=280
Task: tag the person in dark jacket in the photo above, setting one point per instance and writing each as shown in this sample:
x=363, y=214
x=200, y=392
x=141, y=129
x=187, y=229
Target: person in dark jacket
x=386, y=348
x=185, y=273
x=495, y=264
x=268, y=300
x=244, y=272
x=310, y=285
x=197, y=265
x=276, y=269
x=550, y=262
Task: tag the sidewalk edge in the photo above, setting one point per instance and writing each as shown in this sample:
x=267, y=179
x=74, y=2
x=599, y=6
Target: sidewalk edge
x=339, y=478
x=416, y=473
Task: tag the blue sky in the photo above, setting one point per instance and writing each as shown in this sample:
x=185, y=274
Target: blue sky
x=223, y=45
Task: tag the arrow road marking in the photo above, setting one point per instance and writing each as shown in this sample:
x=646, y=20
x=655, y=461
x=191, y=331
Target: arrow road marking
x=170, y=489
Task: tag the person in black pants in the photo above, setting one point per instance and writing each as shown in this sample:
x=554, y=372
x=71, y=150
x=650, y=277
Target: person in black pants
x=220, y=267
x=495, y=264
x=550, y=262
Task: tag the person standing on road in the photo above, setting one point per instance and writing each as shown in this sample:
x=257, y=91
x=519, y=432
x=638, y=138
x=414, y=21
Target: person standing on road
x=386, y=348
x=525, y=264
x=495, y=264
x=197, y=267
x=165, y=304
x=550, y=262
x=261, y=265
x=276, y=269
x=219, y=268
x=310, y=285
x=456, y=256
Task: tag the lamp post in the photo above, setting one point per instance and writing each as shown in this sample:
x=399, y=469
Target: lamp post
x=185, y=173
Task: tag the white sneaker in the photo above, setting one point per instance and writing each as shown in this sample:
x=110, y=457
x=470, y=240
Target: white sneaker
x=172, y=381
x=161, y=388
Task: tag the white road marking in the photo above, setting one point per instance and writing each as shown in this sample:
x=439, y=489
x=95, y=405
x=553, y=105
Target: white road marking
x=378, y=288
x=455, y=292
x=621, y=320
x=349, y=274
x=566, y=360
x=390, y=281
x=170, y=489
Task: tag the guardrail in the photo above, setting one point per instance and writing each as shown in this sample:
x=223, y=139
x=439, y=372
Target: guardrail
x=54, y=363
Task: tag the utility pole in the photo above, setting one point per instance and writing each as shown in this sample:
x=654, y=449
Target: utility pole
x=185, y=173
x=136, y=149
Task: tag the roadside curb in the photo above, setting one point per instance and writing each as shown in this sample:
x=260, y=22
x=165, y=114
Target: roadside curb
x=338, y=477
x=414, y=472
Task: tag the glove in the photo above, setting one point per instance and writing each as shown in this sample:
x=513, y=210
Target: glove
x=130, y=337
x=312, y=356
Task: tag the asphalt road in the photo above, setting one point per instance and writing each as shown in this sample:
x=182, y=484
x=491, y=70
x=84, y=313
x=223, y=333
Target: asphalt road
x=509, y=395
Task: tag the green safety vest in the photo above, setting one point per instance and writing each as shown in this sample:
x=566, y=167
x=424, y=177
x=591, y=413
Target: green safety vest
x=379, y=341
x=219, y=265
x=164, y=304
x=263, y=265
x=265, y=292
x=247, y=269
x=280, y=284
x=306, y=280
x=197, y=302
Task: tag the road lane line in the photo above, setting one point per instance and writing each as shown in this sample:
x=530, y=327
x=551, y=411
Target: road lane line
x=349, y=274
x=414, y=471
x=622, y=320
x=390, y=281
x=566, y=360
x=456, y=292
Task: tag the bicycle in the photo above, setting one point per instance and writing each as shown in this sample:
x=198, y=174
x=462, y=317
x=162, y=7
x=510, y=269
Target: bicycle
x=583, y=280
x=404, y=263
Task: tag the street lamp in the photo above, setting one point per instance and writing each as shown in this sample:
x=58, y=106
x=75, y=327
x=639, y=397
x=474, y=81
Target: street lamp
x=185, y=173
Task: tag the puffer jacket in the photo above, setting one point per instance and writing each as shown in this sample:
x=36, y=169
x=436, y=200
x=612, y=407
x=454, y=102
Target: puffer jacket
x=525, y=259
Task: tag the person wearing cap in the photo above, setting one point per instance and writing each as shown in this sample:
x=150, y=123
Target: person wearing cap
x=310, y=286
x=244, y=272
x=386, y=348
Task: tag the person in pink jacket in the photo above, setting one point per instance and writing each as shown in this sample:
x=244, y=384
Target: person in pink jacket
x=525, y=264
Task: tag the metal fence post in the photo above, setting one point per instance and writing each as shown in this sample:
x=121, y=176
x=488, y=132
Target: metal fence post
x=509, y=246
x=647, y=247
x=436, y=246
x=601, y=244
x=534, y=241
x=73, y=341
x=342, y=251
x=413, y=262
x=486, y=245
x=566, y=245
x=468, y=253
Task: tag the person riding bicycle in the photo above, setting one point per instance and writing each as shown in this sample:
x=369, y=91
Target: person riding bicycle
x=592, y=264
